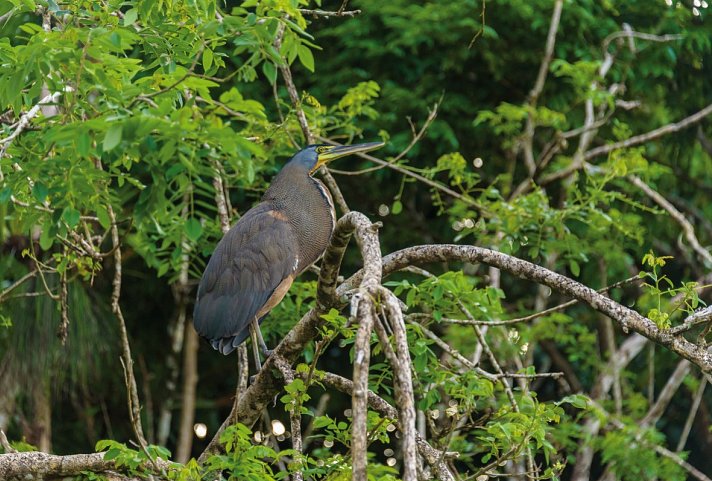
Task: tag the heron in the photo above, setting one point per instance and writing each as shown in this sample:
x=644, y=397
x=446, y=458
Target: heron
x=255, y=263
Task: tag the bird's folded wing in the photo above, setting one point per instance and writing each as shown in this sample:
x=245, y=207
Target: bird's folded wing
x=248, y=264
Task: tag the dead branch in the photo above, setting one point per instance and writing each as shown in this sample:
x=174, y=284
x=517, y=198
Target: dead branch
x=696, y=400
x=133, y=401
x=653, y=134
x=678, y=216
x=328, y=14
x=533, y=97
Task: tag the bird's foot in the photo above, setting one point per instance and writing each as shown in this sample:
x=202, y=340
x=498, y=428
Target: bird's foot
x=266, y=352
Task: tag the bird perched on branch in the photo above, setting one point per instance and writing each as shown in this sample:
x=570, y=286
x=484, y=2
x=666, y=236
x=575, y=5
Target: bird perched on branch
x=256, y=262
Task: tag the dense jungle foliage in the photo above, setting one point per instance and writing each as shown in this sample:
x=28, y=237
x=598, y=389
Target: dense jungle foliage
x=123, y=122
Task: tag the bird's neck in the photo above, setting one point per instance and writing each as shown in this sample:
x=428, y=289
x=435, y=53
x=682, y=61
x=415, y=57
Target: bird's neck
x=307, y=203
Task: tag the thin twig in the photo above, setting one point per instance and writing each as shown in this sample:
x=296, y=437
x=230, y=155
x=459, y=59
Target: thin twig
x=432, y=456
x=17, y=284
x=6, y=444
x=653, y=134
x=327, y=14
x=127, y=360
x=406, y=172
x=696, y=400
x=533, y=97
x=678, y=216
x=491, y=357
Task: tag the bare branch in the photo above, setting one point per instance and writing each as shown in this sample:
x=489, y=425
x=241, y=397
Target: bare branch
x=625, y=317
x=533, y=97
x=402, y=366
x=327, y=14
x=653, y=134
x=406, y=172
x=697, y=399
x=667, y=393
x=5, y=443
x=678, y=216
x=362, y=355
x=133, y=401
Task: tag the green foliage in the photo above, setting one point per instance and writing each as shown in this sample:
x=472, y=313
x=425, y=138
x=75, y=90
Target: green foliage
x=631, y=457
x=134, y=461
x=243, y=459
x=660, y=288
x=154, y=100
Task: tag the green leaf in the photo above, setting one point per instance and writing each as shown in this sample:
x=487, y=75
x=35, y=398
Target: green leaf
x=574, y=267
x=83, y=144
x=46, y=239
x=193, y=229
x=270, y=71
x=306, y=57
x=40, y=191
x=103, y=214
x=207, y=59
x=71, y=216
x=112, y=137
x=397, y=207
x=130, y=17
x=5, y=195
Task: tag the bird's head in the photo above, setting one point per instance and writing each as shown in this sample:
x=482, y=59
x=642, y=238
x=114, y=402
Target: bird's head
x=314, y=156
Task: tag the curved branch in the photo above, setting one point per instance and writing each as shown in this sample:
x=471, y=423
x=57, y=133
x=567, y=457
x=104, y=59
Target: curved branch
x=627, y=318
x=653, y=134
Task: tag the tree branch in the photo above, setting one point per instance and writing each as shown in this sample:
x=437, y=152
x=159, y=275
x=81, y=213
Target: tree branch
x=653, y=134
x=432, y=456
x=678, y=216
x=625, y=317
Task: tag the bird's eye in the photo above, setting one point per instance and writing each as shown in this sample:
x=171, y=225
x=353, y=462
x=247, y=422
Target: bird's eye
x=322, y=149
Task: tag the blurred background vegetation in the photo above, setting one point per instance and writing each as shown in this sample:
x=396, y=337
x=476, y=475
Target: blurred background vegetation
x=156, y=99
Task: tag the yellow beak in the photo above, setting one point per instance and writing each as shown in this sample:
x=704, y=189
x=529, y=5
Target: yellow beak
x=334, y=152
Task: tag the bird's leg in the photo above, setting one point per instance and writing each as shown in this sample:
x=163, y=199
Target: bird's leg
x=255, y=352
x=263, y=347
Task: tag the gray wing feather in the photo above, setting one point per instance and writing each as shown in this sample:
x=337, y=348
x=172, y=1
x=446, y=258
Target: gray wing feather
x=247, y=265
